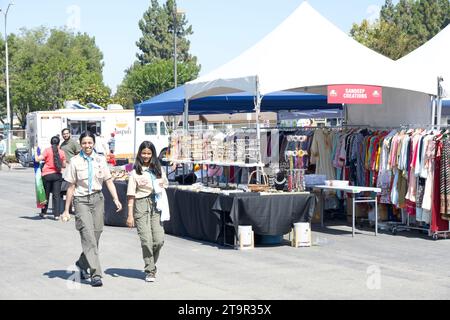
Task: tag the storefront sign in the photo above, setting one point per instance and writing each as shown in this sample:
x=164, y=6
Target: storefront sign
x=355, y=94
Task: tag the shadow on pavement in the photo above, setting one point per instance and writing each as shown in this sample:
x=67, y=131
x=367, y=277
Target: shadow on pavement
x=36, y=217
x=127, y=273
x=65, y=275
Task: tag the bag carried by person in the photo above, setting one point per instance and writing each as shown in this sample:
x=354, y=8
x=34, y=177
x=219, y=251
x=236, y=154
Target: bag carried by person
x=41, y=199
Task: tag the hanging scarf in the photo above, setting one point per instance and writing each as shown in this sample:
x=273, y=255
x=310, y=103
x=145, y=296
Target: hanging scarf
x=90, y=168
x=153, y=179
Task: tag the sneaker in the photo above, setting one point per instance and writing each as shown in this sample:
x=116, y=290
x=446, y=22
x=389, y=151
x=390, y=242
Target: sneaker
x=56, y=218
x=84, y=274
x=96, y=282
x=150, y=277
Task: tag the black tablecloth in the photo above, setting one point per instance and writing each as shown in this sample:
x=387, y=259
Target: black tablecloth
x=269, y=215
x=191, y=215
x=113, y=218
x=201, y=215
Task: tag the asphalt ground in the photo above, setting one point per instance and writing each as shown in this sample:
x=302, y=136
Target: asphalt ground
x=37, y=257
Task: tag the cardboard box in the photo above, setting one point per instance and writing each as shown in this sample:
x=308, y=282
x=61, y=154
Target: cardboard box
x=316, y=215
x=362, y=210
x=383, y=212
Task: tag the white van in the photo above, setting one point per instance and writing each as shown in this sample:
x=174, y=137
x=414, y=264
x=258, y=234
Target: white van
x=129, y=132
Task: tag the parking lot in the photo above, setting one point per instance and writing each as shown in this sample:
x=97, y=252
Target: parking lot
x=38, y=256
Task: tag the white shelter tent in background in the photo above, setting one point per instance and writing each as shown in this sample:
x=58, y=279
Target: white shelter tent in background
x=307, y=53
x=430, y=61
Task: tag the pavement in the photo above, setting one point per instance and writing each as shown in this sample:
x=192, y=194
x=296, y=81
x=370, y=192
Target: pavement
x=37, y=257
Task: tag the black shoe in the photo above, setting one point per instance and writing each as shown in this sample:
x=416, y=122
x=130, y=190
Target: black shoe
x=96, y=282
x=43, y=212
x=84, y=274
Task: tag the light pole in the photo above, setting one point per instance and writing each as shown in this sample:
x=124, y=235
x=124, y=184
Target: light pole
x=176, y=12
x=8, y=108
x=175, y=43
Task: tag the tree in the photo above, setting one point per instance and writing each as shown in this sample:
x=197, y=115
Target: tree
x=145, y=81
x=49, y=67
x=381, y=36
x=153, y=72
x=403, y=27
x=157, y=26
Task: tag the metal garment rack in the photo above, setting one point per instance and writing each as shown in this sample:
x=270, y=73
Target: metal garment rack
x=400, y=226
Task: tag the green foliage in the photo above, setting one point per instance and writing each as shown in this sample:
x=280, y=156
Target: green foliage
x=153, y=72
x=157, y=41
x=145, y=81
x=49, y=67
x=403, y=27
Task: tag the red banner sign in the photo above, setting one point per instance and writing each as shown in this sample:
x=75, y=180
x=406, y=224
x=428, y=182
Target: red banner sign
x=355, y=94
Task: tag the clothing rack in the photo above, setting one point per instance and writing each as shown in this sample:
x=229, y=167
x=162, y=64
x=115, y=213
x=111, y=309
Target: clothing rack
x=401, y=226
x=406, y=224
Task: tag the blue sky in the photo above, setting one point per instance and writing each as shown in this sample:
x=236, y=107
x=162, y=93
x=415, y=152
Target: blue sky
x=222, y=28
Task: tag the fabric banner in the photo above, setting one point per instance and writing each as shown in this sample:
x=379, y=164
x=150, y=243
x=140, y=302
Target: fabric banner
x=355, y=94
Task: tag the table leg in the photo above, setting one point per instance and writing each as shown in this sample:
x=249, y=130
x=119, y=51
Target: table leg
x=322, y=205
x=201, y=173
x=376, y=216
x=353, y=215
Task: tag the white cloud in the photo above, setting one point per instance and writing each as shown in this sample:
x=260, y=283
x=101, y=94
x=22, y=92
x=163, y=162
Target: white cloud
x=74, y=19
x=373, y=12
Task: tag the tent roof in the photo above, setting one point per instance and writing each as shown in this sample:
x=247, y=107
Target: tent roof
x=304, y=51
x=172, y=103
x=446, y=103
x=431, y=60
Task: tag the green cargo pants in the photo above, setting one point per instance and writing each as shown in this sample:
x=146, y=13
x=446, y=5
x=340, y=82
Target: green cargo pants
x=89, y=220
x=150, y=231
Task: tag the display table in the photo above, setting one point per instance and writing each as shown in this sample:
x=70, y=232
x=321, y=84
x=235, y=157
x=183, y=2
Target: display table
x=203, y=216
x=353, y=191
x=191, y=215
x=113, y=218
x=268, y=214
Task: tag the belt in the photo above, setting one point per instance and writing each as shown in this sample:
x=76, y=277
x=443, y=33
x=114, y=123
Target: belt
x=89, y=195
x=151, y=195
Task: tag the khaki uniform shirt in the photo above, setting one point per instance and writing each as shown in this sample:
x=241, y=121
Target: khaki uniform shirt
x=70, y=148
x=140, y=186
x=77, y=173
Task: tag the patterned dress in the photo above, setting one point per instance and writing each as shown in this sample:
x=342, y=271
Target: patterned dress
x=444, y=178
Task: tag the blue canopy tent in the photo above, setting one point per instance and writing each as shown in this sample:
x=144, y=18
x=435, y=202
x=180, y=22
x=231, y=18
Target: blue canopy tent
x=446, y=103
x=172, y=103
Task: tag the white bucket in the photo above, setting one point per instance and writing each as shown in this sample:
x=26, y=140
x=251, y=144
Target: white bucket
x=302, y=234
x=245, y=235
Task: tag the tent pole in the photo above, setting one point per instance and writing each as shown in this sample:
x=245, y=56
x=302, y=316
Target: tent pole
x=345, y=109
x=258, y=125
x=186, y=116
x=135, y=134
x=439, y=101
x=433, y=111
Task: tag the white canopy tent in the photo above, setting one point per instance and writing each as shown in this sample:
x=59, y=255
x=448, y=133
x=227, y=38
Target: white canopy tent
x=430, y=61
x=306, y=52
